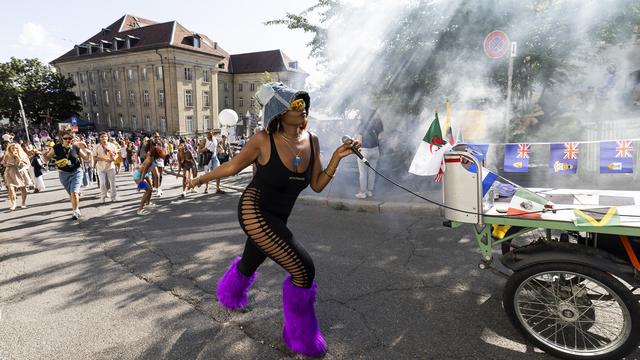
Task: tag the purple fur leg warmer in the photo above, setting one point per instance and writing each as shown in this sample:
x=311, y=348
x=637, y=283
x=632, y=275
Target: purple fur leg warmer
x=233, y=287
x=301, y=332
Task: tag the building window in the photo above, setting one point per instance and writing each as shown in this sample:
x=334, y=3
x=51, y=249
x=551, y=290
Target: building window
x=159, y=73
x=121, y=120
x=252, y=87
x=163, y=124
x=241, y=102
x=84, y=98
x=187, y=74
x=134, y=122
x=252, y=102
x=240, y=87
x=104, y=75
x=189, y=124
x=132, y=98
x=160, y=97
x=226, y=101
x=143, y=73
x=92, y=76
x=129, y=74
x=188, y=98
x=109, y=120
x=88, y=115
x=116, y=75
x=105, y=97
x=94, y=97
x=145, y=98
x=196, y=42
x=98, y=118
x=118, y=97
x=205, y=98
x=205, y=125
x=205, y=76
x=147, y=123
x=83, y=78
x=226, y=87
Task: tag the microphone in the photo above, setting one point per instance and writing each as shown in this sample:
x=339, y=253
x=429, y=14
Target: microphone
x=347, y=140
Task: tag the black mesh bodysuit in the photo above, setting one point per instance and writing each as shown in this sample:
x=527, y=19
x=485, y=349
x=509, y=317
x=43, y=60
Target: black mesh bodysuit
x=263, y=211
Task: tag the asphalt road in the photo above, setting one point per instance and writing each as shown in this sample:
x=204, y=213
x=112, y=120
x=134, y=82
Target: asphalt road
x=116, y=285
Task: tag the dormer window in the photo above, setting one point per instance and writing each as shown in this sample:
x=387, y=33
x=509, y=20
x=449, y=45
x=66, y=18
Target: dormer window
x=221, y=66
x=131, y=41
x=105, y=45
x=293, y=64
x=196, y=42
x=118, y=43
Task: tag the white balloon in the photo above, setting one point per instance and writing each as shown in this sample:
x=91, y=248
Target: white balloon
x=228, y=117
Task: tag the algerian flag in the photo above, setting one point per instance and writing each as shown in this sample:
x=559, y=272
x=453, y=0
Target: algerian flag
x=526, y=203
x=428, y=157
x=597, y=217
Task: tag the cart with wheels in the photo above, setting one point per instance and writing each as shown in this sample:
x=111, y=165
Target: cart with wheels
x=570, y=291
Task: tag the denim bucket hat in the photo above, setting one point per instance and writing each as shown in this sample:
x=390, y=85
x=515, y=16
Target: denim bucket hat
x=276, y=99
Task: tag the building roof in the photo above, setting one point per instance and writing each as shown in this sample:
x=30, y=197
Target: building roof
x=143, y=34
x=258, y=62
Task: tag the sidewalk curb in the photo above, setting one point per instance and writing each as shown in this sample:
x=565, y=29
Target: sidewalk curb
x=372, y=206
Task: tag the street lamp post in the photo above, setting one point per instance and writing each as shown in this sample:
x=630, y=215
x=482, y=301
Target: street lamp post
x=24, y=120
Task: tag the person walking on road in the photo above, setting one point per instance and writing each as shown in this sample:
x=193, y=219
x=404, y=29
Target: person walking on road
x=212, y=145
x=369, y=132
x=143, y=178
x=68, y=156
x=104, y=155
x=16, y=174
x=157, y=141
x=186, y=164
x=288, y=159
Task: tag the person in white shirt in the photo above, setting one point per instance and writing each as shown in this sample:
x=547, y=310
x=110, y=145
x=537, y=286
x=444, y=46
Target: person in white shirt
x=104, y=154
x=212, y=146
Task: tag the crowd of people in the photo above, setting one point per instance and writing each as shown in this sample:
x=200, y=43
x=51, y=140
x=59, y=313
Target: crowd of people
x=85, y=158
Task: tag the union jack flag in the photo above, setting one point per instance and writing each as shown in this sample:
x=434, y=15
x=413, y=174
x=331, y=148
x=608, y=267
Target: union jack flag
x=523, y=151
x=624, y=149
x=570, y=151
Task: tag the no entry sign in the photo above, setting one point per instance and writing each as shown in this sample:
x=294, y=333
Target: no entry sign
x=496, y=44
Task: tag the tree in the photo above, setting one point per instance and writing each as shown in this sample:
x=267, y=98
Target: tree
x=43, y=91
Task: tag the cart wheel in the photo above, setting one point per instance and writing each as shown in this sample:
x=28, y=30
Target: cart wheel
x=573, y=311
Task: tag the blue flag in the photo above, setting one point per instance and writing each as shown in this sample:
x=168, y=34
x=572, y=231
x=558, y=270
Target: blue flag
x=616, y=157
x=563, y=158
x=516, y=157
x=478, y=150
x=488, y=178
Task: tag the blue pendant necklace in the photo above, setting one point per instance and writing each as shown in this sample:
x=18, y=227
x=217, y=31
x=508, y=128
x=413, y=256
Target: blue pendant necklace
x=296, y=158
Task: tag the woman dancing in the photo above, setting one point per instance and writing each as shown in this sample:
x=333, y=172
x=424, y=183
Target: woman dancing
x=16, y=174
x=287, y=158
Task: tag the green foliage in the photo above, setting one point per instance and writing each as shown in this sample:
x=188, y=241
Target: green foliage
x=42, y=91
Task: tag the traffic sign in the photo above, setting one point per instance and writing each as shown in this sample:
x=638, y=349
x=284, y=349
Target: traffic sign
x=496, y=44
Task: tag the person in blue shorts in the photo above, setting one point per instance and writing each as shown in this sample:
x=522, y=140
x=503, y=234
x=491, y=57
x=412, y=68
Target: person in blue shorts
x=145, y=182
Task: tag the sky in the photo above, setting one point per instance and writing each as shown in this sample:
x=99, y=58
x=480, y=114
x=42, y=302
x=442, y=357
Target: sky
x=48, y=29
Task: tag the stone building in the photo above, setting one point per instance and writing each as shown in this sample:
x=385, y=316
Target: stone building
x=137, y=74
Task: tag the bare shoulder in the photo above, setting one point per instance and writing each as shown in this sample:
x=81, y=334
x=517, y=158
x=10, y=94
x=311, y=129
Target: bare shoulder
x=261, y=137
x=314, y=138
